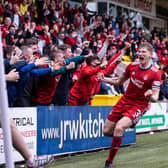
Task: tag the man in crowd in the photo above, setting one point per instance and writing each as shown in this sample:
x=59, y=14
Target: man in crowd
x=61, y=95
x=87, y=85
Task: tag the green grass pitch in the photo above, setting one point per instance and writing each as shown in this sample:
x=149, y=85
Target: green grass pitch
x=150, y=151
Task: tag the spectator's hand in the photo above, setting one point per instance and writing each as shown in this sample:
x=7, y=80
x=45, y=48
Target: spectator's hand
x=18, y=52
x=90, y=54
x=71, y=65
x=148, y=94
x=103, y=64
x=12, y=76
x=21, y=41
x=94, y=43
x=42, y=61
x=14, y=58
x=31, y=30
x=33, y=59
x=127, y=45
x=74, y=78
x=6, y=3
x=85, y=44
x=100, y=76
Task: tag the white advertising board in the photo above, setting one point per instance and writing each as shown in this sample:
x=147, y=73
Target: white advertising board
x=26, y=121
x=156, y=118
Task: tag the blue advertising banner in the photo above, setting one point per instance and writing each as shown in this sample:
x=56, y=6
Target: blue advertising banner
x=67, y=129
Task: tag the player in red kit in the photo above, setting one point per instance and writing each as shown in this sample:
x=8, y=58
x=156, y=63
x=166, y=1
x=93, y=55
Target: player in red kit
x=143, y=87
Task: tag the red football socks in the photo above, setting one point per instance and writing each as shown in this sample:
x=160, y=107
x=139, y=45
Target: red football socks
x=115, y=145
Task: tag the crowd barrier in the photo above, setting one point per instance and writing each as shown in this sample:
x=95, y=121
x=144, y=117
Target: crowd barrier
x=62, y=130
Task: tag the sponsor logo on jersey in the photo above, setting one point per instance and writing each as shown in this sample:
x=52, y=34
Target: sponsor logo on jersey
x=137, y=82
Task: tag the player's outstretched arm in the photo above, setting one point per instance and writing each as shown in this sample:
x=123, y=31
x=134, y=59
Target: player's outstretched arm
x=152, y=94
x=113, y=81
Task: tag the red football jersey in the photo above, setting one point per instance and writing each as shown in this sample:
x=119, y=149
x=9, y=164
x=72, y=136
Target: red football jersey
x=140, y=81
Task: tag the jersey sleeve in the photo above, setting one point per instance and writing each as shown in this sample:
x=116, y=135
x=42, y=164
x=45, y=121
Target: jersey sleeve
x=157, y=80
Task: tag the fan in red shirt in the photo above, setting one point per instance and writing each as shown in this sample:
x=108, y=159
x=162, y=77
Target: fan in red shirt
x=164, y=58
x=144, y=87
x=5, y=26
x=87, y=85
x=70, y=39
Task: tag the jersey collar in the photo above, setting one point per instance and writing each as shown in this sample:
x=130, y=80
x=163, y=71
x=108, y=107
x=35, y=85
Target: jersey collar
x=148, y=67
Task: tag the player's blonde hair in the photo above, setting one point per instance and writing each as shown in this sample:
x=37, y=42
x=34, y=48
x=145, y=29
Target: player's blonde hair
x=147, y=45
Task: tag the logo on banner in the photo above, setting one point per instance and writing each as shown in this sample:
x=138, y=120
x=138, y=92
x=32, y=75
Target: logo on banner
x=24, y=121
x=70, y=129
x=77, y=129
